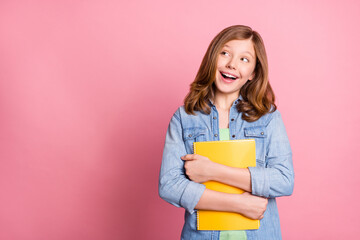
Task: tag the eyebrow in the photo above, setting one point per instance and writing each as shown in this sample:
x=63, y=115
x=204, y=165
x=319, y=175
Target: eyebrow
x=243, y=52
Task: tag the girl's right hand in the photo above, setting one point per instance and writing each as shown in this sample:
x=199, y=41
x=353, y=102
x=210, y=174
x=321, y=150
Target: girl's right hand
x=252, y=206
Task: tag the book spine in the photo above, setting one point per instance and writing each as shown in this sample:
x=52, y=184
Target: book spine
x=197, y=212
x=197, y=220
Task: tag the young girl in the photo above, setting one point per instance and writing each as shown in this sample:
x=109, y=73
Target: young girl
x=230, y=98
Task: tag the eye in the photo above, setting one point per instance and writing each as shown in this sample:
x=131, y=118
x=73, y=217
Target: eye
x=224, y=53
x=245, y=59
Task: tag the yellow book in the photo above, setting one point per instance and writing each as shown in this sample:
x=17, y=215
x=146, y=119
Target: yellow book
x=233, y=153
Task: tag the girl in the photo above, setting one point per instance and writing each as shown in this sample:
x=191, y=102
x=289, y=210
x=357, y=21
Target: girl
x=230, y=98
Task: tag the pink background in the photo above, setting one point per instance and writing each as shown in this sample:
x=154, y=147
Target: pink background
x=88, y=88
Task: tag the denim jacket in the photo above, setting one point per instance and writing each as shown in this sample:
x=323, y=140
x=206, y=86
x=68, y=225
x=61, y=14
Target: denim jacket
x=272, y=177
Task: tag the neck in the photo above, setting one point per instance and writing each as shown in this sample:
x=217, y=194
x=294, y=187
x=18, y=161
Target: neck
x=224, y=101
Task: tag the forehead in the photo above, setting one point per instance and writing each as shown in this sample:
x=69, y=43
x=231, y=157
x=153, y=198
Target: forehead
x=245, y=45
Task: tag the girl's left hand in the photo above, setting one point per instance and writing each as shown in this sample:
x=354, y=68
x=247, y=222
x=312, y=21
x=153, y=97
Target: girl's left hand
x=198, y=168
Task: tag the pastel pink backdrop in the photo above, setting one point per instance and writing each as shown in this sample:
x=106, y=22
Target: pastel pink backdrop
x=88, y=88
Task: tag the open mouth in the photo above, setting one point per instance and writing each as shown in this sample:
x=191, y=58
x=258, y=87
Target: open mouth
x=228, y=76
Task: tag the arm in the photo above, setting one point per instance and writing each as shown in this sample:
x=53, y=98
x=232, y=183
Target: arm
x=276, y=179
x=200, y=169
x=174, y=186
x=246, y=204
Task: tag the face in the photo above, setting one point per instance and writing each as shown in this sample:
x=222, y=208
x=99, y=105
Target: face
x=235, y=65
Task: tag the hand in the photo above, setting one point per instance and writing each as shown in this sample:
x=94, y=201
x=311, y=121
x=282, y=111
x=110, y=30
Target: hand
x=252, y=206
x=198, y=168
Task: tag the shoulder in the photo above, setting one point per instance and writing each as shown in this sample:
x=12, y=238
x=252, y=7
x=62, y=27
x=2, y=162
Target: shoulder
x=266, y=119
x=273, y=116
x=274, y=123
x=181, y=114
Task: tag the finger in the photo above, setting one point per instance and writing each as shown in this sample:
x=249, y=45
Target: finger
x=189, y=157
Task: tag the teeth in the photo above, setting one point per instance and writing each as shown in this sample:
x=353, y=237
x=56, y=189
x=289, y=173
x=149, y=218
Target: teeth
x=228, y=75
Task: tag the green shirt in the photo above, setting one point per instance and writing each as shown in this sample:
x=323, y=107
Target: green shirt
x=230, y=235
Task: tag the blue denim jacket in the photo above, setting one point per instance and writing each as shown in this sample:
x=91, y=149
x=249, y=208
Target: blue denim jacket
x=272, y=177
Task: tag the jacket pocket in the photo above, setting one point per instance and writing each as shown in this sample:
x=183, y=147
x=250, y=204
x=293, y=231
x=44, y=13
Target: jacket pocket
x=256, y=132
x=259, y=134
x=191, y=135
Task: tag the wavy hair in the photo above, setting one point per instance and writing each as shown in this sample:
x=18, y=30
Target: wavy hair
x=257, y=95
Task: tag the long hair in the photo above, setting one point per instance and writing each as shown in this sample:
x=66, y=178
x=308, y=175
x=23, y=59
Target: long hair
x=257, y=95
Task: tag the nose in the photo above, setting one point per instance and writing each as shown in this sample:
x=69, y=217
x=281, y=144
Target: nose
x=231, y=64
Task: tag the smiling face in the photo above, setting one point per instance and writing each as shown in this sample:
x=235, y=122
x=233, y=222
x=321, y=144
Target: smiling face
x=235, y=66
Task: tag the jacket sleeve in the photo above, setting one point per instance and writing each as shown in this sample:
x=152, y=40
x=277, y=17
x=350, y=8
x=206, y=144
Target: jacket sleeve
x=277, y=177
x=174, y=186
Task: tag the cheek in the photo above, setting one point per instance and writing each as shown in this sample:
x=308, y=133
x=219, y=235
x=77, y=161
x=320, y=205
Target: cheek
x=221, y=63
x=217, y=75
x=248, y=72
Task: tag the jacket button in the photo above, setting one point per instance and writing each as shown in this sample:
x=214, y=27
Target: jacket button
x=262, y=133
x=232, y=119
x=215, y=135
x=190, y=135
x=233, y=136
x=214, y=118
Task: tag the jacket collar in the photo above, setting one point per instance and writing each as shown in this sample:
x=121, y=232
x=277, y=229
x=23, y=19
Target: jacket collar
x=240, y=98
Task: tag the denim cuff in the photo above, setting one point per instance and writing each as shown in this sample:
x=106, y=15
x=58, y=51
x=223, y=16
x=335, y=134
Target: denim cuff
x=260, y=182
x=191, y=196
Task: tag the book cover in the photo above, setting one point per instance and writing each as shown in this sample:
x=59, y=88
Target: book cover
x=233, y=153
